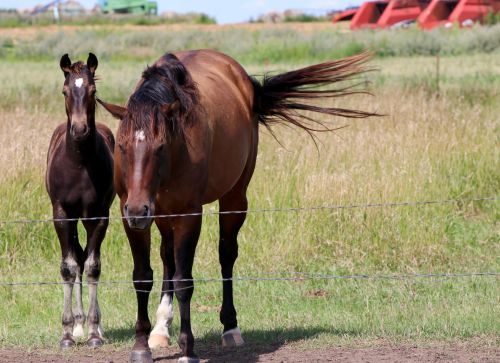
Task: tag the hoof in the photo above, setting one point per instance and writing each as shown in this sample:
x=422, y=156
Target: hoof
x=95, y=342
x=66, y=343
x=78, y=331
x=141, y=356
x=158, y=341
x=188, y=360
x=232, y=338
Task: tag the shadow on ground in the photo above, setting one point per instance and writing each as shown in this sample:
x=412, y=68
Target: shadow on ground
x=257, y=343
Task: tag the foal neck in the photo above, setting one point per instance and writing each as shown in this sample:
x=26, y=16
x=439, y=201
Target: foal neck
x=83, y=150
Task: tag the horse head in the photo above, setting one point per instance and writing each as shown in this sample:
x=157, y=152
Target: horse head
x=151, y=129
x=79, y=92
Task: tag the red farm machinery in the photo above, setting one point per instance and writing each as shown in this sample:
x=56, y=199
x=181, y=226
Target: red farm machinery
x=427, y=13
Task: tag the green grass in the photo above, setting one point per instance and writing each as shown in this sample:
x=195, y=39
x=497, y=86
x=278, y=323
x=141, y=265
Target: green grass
x=249, y=44
x=427, y=147
x=14, y=20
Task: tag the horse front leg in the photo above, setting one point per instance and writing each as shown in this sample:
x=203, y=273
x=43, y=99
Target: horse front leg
x=160, y=337
x=229, y=225
x=186, y=234
x=140, y=244
x=71, y=253
x=96, y=231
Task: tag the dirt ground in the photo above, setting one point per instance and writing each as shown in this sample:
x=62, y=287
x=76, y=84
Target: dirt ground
x=278, y=353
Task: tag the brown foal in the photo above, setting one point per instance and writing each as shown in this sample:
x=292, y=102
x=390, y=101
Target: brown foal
x=79, y=181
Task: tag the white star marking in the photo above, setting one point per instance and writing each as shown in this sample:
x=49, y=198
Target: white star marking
x=139, y=135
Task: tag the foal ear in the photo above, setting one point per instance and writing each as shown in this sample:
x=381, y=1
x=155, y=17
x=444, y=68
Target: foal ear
x=65, y=64
x=115, y=110
x=171, y=109
x=92, y=63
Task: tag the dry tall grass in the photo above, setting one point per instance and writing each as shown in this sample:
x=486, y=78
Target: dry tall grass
x=426, y=147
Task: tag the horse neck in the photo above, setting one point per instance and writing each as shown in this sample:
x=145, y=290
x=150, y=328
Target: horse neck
x=81, y=151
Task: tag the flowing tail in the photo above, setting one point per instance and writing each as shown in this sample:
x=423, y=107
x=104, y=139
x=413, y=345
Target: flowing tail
x=278, y=99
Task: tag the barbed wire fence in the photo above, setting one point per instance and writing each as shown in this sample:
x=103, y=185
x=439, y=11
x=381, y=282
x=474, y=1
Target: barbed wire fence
x=263, y=210
x=289, y=277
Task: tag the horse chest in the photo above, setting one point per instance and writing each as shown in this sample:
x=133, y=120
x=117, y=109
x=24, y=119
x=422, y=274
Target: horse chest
x=79, y=186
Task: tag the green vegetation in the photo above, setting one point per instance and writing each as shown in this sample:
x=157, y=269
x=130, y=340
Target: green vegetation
x=15, y=20
x=250, y=45
x=306, y=18
x=427, y=147
x=491, y=18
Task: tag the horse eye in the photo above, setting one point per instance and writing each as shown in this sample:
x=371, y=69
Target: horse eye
x=122, y=148
x=65, y=93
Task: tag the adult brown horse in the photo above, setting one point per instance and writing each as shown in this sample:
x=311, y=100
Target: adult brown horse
x=188, y=136
x=79, y=181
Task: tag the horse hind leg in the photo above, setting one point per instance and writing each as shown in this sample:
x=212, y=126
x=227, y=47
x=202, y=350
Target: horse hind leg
x=96, y=232
x=78, y=312
x=230, y=225
x=160, y=337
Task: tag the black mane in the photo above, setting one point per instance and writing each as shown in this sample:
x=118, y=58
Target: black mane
x=161, y=85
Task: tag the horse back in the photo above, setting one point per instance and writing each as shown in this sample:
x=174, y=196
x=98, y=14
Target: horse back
x=107, y=137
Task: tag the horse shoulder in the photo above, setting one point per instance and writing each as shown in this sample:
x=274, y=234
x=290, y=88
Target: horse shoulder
x=56, y=147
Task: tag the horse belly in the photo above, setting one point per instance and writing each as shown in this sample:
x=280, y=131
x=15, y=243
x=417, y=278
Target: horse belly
x=231, y=149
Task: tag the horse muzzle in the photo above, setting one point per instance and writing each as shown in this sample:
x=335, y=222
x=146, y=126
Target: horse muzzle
x=138, y=217
x=79, y=131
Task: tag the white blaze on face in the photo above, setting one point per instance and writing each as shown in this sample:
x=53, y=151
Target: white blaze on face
x=139, y=136
x=79, y=82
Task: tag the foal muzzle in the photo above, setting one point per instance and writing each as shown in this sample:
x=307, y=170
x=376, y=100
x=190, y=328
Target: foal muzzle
x=79, y=131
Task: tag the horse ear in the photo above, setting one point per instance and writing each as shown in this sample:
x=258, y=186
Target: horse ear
x=92, y=63
x=115, y=110
x=171, y=109
x=65, y=64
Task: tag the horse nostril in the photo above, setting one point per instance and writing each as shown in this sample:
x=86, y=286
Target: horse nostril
x=146, y=210
x=125, y=208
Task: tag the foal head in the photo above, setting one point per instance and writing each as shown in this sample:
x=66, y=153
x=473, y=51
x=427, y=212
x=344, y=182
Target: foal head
x=152, y=126
x=79, y=91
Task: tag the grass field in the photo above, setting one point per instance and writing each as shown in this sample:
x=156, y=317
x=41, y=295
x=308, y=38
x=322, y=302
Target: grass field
x=429, y=146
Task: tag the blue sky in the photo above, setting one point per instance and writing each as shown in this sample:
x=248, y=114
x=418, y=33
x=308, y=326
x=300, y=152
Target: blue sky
x=225, y=11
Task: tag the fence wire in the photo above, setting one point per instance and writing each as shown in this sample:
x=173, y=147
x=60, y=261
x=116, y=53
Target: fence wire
x=264, y=210
x=295, y=277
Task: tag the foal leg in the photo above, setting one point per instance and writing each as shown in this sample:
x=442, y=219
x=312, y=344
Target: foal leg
x=67, y=234
x=186, y=234
x=160, y=337
x=78, y=312
x=230, y=225
x=96, y=230
x=140, y=244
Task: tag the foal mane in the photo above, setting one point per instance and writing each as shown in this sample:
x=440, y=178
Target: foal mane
x=161, y=85
x=77, y=67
